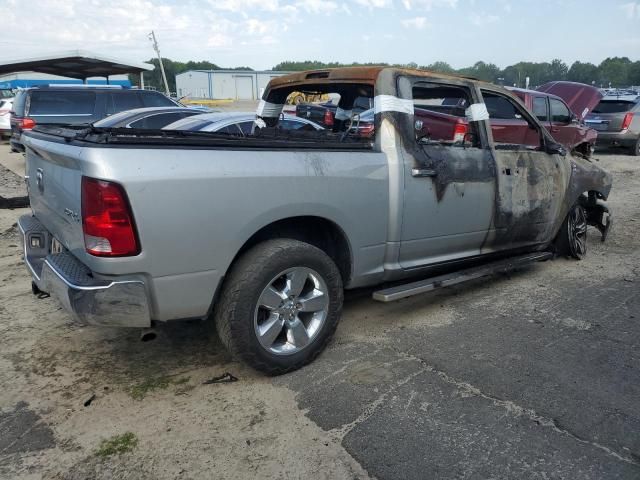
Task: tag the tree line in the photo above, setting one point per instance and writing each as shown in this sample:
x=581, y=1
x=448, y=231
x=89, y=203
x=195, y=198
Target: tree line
x=613, y=71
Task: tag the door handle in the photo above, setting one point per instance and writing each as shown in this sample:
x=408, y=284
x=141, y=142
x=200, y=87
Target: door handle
x=423, y=172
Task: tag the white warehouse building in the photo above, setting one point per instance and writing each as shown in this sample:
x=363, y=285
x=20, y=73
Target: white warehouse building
x=224, y=84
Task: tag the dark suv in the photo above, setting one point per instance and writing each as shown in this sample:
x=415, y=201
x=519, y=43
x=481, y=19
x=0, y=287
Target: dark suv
x=75, y=105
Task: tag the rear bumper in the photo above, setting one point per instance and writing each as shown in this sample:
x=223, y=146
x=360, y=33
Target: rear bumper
x=16, y=146
x=617, y=139
x=90, y=299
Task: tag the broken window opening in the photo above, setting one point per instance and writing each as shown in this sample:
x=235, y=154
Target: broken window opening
x=510, y=126
x=440, y=115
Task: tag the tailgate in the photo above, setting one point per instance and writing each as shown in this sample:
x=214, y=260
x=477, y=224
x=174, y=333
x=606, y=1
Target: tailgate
x=54, y=180
x=606, y=122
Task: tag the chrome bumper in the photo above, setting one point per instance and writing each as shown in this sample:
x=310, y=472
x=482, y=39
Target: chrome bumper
x=91, y=300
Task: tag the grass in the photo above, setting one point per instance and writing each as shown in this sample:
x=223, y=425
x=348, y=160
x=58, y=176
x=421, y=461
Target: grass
x=117, y=444
x=138, y=392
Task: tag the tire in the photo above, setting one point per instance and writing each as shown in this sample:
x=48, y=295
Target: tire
x=261, y=314
x=635, y=150
x=572, y=238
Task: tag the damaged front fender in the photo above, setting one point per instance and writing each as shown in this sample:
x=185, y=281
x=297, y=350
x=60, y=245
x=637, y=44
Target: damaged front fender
x=590, y=186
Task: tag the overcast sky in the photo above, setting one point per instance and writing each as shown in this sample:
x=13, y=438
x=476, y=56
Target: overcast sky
x=261, y=33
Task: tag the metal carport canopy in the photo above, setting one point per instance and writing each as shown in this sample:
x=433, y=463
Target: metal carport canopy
x=75, y=64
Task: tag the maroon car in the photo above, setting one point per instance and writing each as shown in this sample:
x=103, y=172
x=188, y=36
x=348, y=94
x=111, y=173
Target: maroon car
x=562, y=107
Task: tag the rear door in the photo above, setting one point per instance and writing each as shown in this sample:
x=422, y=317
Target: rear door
x=563, y=130
x=123, y=100
x=449, y=187
x=540, y=108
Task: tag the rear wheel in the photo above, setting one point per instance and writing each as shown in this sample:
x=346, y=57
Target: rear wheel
x=572, y=238
x=635, y=150
x=280, y=305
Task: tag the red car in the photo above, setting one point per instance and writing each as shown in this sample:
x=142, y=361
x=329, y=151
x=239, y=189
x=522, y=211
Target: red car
x=561, y=107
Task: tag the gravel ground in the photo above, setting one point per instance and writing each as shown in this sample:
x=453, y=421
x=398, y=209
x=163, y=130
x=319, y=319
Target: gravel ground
x=535, y=374
x=12, y=188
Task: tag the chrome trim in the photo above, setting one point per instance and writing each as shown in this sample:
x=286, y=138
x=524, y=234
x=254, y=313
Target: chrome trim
x=121, y=303
x=60, y=114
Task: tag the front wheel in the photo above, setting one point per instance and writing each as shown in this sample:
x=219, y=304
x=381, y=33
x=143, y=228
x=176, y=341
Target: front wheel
x=280, y=305
x=572, y=238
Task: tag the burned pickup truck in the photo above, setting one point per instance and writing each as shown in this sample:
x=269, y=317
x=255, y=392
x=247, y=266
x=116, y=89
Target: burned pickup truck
x=260, y=234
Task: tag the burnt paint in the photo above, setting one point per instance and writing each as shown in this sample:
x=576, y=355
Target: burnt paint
x=551, y=187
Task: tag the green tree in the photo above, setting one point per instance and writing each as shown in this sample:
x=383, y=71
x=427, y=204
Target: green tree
x=558, y=70
x=634, y=73
x=583, y=72
x=442, y=67
x=614, y=71
x=482, y=71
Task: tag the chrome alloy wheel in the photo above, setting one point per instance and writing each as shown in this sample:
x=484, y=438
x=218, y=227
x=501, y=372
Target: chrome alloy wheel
x=577, y=225
x=291, y=310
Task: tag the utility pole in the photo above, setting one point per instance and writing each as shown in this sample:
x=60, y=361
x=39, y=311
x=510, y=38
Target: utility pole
x=152, y=37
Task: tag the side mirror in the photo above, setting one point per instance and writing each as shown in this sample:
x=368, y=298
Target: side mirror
x=556, y=149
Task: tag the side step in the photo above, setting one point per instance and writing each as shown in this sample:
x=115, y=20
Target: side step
x=429, y=284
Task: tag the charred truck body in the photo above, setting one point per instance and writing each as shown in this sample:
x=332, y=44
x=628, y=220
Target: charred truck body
x=263, y=233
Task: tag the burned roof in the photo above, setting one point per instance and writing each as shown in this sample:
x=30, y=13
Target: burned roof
x=368, y=75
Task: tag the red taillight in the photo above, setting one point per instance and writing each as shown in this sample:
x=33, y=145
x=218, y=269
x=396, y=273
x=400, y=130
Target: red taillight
x=107, y=222
x=328, y=118
x=366, y=130
x=459, y=132
x=26, y=123
x=626, y=123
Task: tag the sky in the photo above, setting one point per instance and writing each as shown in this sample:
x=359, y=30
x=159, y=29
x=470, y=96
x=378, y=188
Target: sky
x=262, y=33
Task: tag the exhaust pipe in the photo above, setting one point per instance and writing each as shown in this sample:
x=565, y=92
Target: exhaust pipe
x=148, y=334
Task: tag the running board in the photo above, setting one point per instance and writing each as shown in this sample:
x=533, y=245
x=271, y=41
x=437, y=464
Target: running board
x=433, y=283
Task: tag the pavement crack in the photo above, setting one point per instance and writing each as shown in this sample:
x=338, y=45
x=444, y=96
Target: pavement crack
x=371, y=408
x=517, y=410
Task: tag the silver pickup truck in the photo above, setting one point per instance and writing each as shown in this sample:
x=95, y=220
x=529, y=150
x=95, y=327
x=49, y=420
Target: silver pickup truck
x=262, y=233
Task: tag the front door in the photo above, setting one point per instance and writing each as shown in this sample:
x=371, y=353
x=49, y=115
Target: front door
x=530, y=182
x=449, y=179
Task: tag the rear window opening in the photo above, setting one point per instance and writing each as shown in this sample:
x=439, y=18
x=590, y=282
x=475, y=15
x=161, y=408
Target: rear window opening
x=331, y=113
x=613, y=106
x=439, y=115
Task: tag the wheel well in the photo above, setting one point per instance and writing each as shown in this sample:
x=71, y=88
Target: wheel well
x=316, y=231
x=584, y=149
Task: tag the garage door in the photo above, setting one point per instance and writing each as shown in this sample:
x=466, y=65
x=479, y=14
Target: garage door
x=244, y=88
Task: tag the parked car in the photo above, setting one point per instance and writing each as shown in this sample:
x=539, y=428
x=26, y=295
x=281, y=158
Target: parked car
x=325, y=113
x=431, y=122
x=562, y=108
x=149, y=118
x=75, y=105
x=617, y=120
x=237, y=123
x=5, y=117
x=263, y=232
